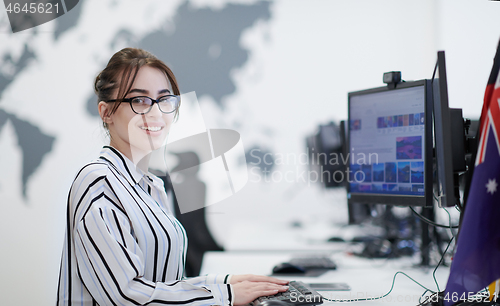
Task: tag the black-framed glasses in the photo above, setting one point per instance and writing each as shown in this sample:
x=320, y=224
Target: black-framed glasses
x=142, y=105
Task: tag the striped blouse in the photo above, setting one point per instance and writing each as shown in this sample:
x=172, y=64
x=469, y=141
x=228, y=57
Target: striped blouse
x=123, y=246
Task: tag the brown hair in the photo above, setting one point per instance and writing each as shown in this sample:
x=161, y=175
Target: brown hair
x=121, y=71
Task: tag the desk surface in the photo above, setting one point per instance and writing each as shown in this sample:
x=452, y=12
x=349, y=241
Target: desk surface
x=283, y=236
x=367, y=277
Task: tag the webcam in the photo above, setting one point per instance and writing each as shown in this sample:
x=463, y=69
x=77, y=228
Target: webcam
x=392, y=78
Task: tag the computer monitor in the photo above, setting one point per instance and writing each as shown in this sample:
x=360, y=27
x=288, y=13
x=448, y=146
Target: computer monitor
x=450, y=147
x=325, y=149
x=390, y=145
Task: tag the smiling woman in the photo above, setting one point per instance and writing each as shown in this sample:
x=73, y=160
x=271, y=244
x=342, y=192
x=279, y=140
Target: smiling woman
x=123, y=244
x=138, y=78
x=135, y=126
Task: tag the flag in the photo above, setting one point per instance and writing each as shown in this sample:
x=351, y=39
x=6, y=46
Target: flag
x=494, y=290
x=476, y=263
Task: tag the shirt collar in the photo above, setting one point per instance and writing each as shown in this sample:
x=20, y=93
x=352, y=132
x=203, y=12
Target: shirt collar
x=155, y=180
x=127, y=168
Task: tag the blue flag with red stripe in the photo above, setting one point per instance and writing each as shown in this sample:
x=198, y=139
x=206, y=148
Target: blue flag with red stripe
x=477, y=260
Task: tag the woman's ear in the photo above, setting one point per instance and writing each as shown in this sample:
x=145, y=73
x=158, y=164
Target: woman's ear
x=105, y=112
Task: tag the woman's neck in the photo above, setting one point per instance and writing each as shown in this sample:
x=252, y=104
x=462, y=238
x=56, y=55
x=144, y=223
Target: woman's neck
x=143, y=163
x=138, y=157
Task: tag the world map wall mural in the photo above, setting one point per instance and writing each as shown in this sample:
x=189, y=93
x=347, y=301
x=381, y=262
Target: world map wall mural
x=196, y=42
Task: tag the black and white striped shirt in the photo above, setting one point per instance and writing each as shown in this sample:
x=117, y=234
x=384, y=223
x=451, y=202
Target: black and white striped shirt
x=123, y=246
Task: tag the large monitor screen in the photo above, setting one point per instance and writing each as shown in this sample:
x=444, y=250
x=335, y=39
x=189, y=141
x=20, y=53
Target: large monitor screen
x=390, y=145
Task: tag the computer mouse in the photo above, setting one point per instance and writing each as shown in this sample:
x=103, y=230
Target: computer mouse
x=335, y=239
x=273, y=303
x=287, y=268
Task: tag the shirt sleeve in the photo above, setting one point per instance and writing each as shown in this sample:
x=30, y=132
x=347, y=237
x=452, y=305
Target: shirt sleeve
x=111, y=265
x=210, y=279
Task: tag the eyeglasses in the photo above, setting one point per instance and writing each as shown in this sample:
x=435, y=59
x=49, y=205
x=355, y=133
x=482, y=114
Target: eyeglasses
x=142, y=105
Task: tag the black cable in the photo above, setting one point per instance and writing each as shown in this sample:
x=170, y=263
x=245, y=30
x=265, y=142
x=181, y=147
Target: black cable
x=400, y=272
x=383, y=296
x=441, y=260
x=449, y=219
x=432, y=297
x=434, y=272
x=420, y=298
x=431, y=222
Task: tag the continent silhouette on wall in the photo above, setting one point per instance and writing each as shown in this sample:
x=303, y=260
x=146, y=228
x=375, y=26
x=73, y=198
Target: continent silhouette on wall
x=203, y=47
x=33, y=143
x=19, y=65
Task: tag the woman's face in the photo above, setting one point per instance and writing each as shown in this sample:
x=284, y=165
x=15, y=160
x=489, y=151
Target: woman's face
x=141, y=134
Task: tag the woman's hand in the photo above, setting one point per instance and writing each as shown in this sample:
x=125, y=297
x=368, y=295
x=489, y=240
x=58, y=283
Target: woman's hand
x=246, y=291
x=257, y=278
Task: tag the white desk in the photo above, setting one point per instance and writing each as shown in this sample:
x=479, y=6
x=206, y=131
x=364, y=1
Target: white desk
x=256, y=247
x=282, y=236
x=367, y=277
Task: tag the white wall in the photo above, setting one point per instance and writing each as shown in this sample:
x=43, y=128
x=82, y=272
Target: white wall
x=469, y=33
x=317, y=52
x=298, y=77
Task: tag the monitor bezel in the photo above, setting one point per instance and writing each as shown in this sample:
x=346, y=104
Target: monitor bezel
x=399, y=200
x=445, y=154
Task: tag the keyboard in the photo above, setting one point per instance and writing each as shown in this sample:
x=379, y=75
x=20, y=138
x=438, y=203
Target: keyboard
x=313, y=262
x=298, y=293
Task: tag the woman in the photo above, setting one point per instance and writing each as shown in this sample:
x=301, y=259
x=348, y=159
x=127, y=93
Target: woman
x=123, y=245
